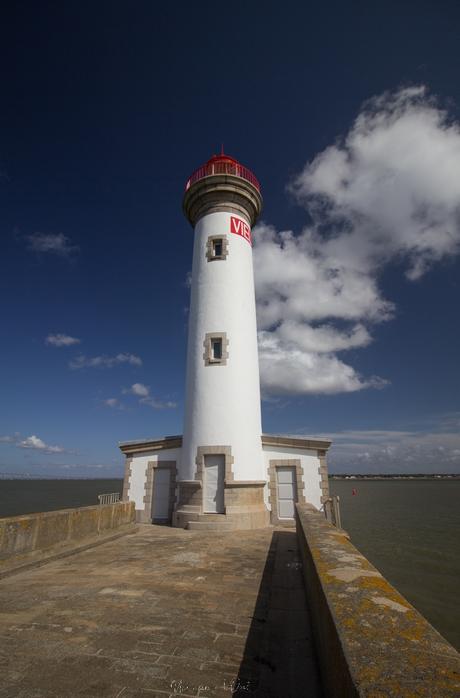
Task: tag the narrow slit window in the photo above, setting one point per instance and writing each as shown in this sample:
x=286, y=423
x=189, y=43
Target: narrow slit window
x=217, y=247
x=216, y=349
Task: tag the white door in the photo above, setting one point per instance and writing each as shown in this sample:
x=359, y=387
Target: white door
x=161, y=480
x=287, y=491
x=214, y=468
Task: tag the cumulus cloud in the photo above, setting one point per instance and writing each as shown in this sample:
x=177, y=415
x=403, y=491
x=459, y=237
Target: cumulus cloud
x=388, y=191
x=61, y=340
x=394, y=180
x=32, y=442
x=300, y=294
x=58, y=244
x=104, y=361
x=286, y=368
x=142, y=392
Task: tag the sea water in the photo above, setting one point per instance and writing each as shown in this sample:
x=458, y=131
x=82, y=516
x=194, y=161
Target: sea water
x=31, y=496
x=410, y=531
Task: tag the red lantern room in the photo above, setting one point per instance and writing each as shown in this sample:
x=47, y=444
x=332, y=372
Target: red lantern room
x=223, y=165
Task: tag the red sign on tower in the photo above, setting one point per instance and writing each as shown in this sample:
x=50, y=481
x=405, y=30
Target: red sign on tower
x=240, y=227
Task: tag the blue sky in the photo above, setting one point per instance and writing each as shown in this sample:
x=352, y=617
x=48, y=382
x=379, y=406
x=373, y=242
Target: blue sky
x=348, y=114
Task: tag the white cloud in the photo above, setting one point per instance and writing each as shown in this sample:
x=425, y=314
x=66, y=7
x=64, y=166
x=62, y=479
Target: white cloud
x=34, y=442
x=58, y=244
x=104, y=361
x=286, y=368
x=389, y=191
x=138, y=389
x=323, y=338
x=113, y=403
x=394, y=181
x=298, y=279
x=142, y=392
x=61, y=340
x=159, y=404
x=300, y=294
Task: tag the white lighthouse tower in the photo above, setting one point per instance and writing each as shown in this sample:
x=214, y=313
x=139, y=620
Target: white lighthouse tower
x=223, y=472
x=222, y=447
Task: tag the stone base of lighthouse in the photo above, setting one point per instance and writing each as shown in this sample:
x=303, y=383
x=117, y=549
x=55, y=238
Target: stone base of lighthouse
x=244, y=506
x=295, y=470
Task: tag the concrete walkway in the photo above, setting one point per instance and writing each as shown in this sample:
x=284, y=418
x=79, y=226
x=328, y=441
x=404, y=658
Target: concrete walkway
x=163, y=612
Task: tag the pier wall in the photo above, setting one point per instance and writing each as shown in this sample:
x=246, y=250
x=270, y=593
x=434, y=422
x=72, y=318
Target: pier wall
x=370, y=640
x=26, y=539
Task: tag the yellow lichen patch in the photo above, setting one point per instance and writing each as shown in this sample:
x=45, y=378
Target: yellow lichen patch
x=350, y=574
x=393, y=605
x=386, y=646
x=377, y=582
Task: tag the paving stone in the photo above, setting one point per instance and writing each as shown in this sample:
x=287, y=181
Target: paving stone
x=174, y=659
x=199, y=634
x=201, y=653
x=142, y=693
x=139, y=667
x=165, y=612
x=127, y=654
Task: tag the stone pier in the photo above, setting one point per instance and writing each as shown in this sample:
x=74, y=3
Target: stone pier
x=161, y=612
x=169, y=612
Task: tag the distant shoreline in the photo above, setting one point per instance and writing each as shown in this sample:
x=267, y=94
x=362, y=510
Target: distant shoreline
x=353, y=476
x=332, y=476
x=26, y=476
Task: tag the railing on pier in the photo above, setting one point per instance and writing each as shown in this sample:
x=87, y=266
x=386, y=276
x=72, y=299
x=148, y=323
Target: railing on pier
x=110, y=498
x=332, y=510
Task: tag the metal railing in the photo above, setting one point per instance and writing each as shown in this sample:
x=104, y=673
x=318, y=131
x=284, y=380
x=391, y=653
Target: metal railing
x=332, y=510
x=217, y=168
x=110, y=498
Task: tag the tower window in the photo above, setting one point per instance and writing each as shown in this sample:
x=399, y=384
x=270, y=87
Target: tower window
x=216, y=247
x=215, y=349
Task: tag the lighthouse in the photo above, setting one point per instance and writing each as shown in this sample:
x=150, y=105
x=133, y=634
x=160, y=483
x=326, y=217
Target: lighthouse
x=223, y=472
x=221, y=445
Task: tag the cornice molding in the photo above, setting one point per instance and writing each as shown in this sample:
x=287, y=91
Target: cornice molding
x=295, y=442
x=161, y=444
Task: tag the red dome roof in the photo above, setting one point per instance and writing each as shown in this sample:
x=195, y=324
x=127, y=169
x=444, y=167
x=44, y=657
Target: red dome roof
x=222, y=164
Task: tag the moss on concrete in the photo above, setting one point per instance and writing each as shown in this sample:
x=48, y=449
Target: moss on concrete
x=32, y=537
x=371, y=641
